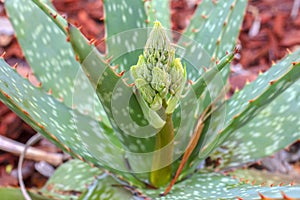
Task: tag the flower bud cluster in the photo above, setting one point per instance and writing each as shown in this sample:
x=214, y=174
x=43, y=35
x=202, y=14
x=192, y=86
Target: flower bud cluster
x=158, y=75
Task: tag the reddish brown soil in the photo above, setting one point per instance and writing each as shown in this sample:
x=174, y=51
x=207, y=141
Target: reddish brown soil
x=273, y=30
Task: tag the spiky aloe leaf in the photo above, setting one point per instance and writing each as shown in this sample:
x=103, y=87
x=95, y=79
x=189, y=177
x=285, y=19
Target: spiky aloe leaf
x=246, y=104
x=51, y=57
x=120, y=17
x=110, y=88
x=125, y=43
x=216, y=24
x=201, y=83
x=67, y=128
x=217, y=186
x=75, y=133
x=11, y=96
x=15, y=193
x=131, y=15
x=265, y=178
x=214, y=27
x=77, y=180
x=186, y=116
x=159, y=10
x=106, y=187
x=70, y=180
x=274, y=128
x=104, y=79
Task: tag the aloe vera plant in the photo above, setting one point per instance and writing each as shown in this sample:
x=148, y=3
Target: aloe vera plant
x=142, y=130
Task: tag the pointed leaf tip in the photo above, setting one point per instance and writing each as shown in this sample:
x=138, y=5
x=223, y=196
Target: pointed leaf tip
x=3, y=54
x=284, y=196
x=263, y=197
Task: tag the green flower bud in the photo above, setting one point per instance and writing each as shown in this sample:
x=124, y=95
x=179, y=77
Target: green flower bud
x=158, y=75
x=160, y=81
x=157, y=102
x=147, y=92
x=178, y=76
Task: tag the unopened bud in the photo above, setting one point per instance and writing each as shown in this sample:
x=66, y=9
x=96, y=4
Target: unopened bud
x=158, y=75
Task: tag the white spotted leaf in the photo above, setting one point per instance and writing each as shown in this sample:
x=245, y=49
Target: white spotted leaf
x=120, y=17
x=111, y=91
x=217, y=186
x=70, y=180
x=51, y=57
x=67, y=128
x=102, y=77
x=250, y=102
x=216, y=25
x=264, y=177
x=274, y=128
x=159, y=10
x=106, y=187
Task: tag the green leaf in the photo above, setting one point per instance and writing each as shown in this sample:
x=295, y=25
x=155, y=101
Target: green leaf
x=11, y=83
x=262, y=177
x=117, y=98
x=73, y=132
x=102, y=77
x=70, y=180
x=51, y=57
x=207, y=77
x=217, y=186
x=216, y=24
x=246, y=104
x=45, y=48
x=67, y=128
x=122, y=16
x=186, y=116
x=15, y=193
x=214, y=29
x=159, y=10
x=107, y=188
x=274, y=128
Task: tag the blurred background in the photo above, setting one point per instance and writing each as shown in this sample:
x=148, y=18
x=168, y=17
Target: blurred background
x=271, y=28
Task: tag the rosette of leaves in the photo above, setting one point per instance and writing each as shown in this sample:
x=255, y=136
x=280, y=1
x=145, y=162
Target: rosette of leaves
x=59, y=55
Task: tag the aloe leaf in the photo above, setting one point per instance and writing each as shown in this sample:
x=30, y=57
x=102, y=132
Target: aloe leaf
x=216, y=24
x=104, y=79
x=120, y=17
x=262, y=177
x=67, y=128
x=274, y=128
x=46, y=50
x=246, y=104
x=159, y=10
x=125, y=43
x=51, y=57
x=131, y=15
x=75, y=133
x=187, y=114
x=15, y=193
x=214, y=27
x=217, y=186
x=106, y=187
x=70, y=180
x=13, y=98
x=201, y=83
x=114, y=94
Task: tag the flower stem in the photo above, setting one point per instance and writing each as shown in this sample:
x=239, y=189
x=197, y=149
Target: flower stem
x=160, y=176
